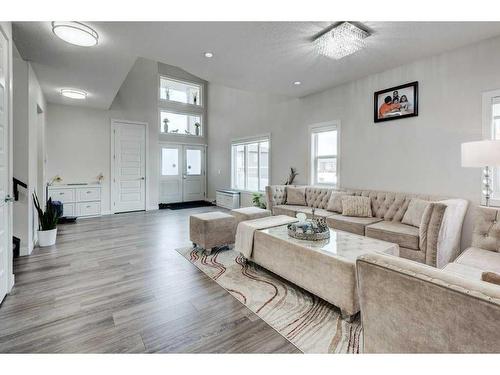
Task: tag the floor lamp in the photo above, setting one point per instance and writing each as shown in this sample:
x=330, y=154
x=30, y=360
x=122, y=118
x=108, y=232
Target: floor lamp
x=483, y=154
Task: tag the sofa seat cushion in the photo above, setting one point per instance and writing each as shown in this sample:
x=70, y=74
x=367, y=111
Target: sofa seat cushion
x=350, y=224
x=287, y=209
x=466, y=272
x=318, y=212
x=395, y=232
x=485, y=260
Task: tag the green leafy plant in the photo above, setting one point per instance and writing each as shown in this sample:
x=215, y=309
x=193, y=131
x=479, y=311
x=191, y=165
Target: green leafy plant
x=47, y=220
x=257, y=200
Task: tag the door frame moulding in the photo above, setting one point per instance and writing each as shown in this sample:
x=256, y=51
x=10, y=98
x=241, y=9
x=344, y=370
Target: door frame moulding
x=162, y=144
x=112, y=162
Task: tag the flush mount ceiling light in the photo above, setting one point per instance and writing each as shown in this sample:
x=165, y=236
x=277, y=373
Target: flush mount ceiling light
x=74, y=94
x=297, y=83
x=209, y=54
x=341, y=41
x=75, y=33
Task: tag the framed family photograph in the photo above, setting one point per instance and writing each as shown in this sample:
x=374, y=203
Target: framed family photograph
x=396, y=102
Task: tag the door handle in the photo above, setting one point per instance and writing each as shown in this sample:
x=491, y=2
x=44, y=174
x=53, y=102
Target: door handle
x=142, y=178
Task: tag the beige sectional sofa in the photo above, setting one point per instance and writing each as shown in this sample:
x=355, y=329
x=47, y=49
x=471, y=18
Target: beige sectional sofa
x=446, y=310
x=436, y=241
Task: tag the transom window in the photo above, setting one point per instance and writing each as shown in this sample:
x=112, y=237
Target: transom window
x=180, y=123
x=250, y=164
x=179, y=91
x=324, y=155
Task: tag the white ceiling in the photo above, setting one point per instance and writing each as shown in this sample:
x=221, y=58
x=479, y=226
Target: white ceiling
x=256, y=56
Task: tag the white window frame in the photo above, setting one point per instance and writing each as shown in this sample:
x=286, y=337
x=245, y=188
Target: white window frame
x=186, y=113
x=246, y=141
x=489, y=133
x=173, y=102
x=313, y=159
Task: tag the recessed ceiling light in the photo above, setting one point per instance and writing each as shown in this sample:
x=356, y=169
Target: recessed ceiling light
x=297, y=83
x=75, y=33
x=74, y=94
x=209, y=54
x=341, y=41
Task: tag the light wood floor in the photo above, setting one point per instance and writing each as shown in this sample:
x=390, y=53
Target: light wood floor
x=116, y=284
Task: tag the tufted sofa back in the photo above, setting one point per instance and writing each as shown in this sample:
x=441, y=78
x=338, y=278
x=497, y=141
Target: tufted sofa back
x=486, y=232
x=317, y=197
x=387, y=205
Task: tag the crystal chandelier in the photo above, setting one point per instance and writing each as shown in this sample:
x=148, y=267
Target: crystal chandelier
x=341, y=41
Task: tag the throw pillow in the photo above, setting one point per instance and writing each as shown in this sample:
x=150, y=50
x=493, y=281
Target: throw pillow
x=491, y=277
x=414, y=212
x=335, y=201
x=356, y=206
x=296, y=195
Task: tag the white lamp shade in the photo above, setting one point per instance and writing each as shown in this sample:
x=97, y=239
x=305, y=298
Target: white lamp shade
x=481, y=154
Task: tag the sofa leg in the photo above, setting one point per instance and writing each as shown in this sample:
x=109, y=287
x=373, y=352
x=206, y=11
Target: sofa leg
x=346, y=316
x=195, y=245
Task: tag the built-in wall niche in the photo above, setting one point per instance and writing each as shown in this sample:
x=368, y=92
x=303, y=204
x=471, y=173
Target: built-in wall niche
x=180, y=123
x=179, y=91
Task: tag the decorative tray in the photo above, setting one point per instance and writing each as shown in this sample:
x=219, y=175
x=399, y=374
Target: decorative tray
x=309, y=230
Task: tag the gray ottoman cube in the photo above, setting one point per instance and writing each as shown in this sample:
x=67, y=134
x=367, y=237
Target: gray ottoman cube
x=249, y=213
x=212, y=229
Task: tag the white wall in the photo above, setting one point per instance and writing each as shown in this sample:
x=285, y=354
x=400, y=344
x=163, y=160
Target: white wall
x=237, y=114
x=78, y=146
x=78, y=139
x=29, y=109
x=420, y=154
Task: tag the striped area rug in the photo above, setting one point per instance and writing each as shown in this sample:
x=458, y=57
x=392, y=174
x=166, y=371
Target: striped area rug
x=308, y=322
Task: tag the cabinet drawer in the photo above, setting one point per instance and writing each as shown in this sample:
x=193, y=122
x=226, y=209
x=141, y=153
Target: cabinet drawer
x=89, y=209
x=68, y=209
x=62, y=195
x=88, y=194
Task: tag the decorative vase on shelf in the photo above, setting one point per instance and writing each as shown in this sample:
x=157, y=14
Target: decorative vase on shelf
x=165, y=125
x=197, y=128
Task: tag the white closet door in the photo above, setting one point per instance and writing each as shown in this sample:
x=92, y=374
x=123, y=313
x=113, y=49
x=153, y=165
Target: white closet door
x=5, y=224
x=129, y=166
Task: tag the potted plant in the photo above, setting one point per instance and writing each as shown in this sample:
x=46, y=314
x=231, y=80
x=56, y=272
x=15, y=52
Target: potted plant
x=47, y=222
x=257, y=200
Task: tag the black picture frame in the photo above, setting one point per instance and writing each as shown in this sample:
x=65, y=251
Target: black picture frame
x=396, y=114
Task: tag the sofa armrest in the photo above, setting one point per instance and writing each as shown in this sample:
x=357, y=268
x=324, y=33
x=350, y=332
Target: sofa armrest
x=408, y=307
x=275, y=195
x=441, y=231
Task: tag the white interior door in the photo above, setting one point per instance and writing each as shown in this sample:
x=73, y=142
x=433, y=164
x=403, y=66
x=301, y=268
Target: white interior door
x=171, y=172
x=129, y=166
x=194, y=173
x=5, y=241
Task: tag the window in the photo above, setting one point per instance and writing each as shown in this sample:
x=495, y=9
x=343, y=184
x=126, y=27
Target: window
x=250, y=164
x=181, y=92
x=324, y=155
x=180, y=123
x=181, y=111
x=169, y=161
x=491, y=130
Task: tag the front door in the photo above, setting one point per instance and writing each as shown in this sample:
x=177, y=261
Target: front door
x=129, y=166
x=194, y=173
x=182, y=173
x=171, y=173
x=5, y=224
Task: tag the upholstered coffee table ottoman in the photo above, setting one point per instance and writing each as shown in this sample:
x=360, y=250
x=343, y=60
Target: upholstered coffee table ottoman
x=212, y=229
x=249, y=213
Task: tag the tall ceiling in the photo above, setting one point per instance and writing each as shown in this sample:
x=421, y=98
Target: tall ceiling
x=257, y=56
